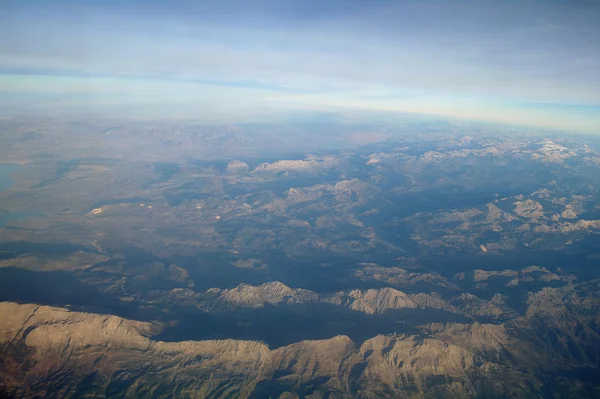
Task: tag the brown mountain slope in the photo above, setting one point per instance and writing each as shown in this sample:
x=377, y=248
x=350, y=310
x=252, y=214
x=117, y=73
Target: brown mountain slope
x=47, y=351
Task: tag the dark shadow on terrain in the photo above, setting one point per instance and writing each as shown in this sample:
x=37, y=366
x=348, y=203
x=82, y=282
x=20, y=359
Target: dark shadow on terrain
x=13, y=249
x=58, y=288
x=322, y=271
x=165, y=170
x=278, y=187
x=179, y=197
x=286, y=324
x=266, y=389
x=273, y=389
x=574, y=259
x=65, y=167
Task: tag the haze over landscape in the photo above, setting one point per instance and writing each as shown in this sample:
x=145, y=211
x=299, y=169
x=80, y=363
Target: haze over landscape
x=532, y=63
x=281, y=199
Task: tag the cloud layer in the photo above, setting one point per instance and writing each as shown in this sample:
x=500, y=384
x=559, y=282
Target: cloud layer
x=528, y=62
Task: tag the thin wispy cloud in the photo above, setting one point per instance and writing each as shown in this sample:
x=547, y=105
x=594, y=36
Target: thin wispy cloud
x=465, y=58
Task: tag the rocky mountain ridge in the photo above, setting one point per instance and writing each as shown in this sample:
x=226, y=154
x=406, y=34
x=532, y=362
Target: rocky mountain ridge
x=369, y=301
x=56, y=352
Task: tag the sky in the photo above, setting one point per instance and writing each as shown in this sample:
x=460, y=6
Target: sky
x=533, y=63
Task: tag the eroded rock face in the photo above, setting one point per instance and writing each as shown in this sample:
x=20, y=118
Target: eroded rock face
x=48, y=351
x=116, y=356
x=425, y=259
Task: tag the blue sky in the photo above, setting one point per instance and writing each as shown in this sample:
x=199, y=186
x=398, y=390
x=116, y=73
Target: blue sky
x=525, y=62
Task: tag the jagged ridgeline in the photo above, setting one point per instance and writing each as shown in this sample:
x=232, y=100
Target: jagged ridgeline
x=554, y=348
x=428, y=261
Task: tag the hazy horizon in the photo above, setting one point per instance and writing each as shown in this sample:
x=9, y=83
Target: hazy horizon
x=532, y=63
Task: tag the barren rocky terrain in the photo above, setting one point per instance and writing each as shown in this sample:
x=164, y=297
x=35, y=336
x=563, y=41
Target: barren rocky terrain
x=395, y=260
